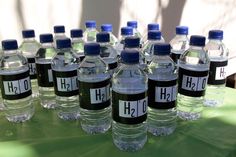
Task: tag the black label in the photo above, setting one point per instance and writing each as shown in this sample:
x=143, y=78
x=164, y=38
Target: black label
x=44, y=75
x=129, y=108
x=175, y=57
x=217, y=73
x=15, y=86
x=192, y=83
x=112, y=65
x=162, y=94
x=94, y=96
x=32, y=68
x=65, y=83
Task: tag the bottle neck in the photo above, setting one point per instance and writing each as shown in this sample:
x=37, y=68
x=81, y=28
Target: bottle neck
x=77, y=38
x=46, y=45
x=10, y=52
x=104, y=43
x=91, y=28
x=196, y=47
x=59, y=34
x=181, y=35
x=29, y=39
x=91, y=57
x=215, y=40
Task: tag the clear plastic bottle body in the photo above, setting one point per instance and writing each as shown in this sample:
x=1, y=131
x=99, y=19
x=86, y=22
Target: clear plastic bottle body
x=93, y=71
x=68, y=101
x=179, y=44
x=162, y=70
x=218, y=55
x=21, y=109
x=78, y=47
x=194, y=61
x=129, y=80
x=90, y=34
x=29, y=48
x=109, y=55
x=44, y=58
x=148, y=49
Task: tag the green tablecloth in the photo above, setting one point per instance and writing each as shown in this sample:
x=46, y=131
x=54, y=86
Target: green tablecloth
x=214, y=135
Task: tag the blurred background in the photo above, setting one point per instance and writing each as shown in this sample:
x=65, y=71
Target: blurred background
x=199, y=15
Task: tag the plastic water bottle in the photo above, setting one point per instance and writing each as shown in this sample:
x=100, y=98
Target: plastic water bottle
x=108, y=52
x=193, y=75
x=94, y=93
x=129, y=103
x=108, y=28
x=29, y=48
x=134, y=25
x=148, y=48
x=15, y=83
x=65, y=77
x=133, y=43
x=90, y=31
x=44, y=58
x=179, y=43
x=125, y=32
x=218, y=55
x=77, y=42
x=152, y=27
x=162, y=92
x=59, y=33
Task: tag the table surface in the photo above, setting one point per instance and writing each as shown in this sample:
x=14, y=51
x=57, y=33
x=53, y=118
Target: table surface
x=214, y=135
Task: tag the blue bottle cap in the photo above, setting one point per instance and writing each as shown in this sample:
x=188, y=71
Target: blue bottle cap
x=103, y=37
x=132, y=42
x=130, y=56
x=154, y=35
x=216, y=34
x=91, y=49
x=46, y=38
x=76, y=33
x=197, y=40
x=133, y=24
x=90, y=24
x=162, y=49
x=181, y=30
x=59, y=29
x=28, y=33
x=10, y=44
x=127, y=31
x=153, y=26
x=106, y=27
x=63, y=43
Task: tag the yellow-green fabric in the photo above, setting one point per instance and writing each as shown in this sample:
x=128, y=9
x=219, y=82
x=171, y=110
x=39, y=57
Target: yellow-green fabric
x=45, y=135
